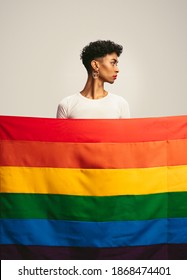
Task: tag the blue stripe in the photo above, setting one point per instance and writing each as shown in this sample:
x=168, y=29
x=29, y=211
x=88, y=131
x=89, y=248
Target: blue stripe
x=177, y=230
x=93, y=234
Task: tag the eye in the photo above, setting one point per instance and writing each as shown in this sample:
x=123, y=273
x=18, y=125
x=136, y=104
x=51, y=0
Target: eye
x=114, y=63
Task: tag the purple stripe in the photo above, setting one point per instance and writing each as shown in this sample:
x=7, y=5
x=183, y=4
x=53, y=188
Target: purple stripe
x=152, y=252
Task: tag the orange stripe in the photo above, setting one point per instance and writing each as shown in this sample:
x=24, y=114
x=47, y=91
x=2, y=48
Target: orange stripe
x=93, y=155
x=177, y=152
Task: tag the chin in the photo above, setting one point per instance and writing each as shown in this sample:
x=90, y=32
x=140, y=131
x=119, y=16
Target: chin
x=110, y=81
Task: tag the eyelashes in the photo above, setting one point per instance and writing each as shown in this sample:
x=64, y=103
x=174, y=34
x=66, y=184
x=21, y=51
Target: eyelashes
x=114, y=63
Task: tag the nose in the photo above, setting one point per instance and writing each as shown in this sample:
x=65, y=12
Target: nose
x=117, y=69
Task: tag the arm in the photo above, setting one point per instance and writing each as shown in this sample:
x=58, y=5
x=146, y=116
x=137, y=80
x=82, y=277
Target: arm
x=61, y=112
x=125, y=111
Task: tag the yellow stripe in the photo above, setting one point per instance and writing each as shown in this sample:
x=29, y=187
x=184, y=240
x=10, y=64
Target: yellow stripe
x=177, y=178
x=96, y=182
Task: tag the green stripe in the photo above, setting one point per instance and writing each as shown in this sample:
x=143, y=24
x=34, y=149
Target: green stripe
x=86, y=208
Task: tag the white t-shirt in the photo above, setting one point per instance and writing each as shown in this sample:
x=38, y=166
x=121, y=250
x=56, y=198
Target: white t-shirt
x=79, y=107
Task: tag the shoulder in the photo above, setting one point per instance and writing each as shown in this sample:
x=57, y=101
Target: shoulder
x=118, y=98
x=65, y=105
x=66, y=100
x=122, y=104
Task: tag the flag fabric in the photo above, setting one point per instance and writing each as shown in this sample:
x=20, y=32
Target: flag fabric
x=93, y=189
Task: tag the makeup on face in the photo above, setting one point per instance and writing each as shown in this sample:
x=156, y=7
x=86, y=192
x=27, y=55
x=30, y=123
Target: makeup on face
x=109, y=68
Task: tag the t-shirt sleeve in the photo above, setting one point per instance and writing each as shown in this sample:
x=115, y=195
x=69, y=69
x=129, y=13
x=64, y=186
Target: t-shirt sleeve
x=62, y=111
x=125, y=111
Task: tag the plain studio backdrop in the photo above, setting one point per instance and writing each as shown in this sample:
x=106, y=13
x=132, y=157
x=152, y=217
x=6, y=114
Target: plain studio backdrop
x=40, y=47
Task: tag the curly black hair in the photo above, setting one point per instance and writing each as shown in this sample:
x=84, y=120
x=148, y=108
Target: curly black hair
x=98, y=49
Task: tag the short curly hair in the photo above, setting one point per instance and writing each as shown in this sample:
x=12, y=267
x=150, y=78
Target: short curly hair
x=98, y=49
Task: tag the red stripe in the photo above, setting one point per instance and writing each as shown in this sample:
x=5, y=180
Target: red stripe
x=74, y=130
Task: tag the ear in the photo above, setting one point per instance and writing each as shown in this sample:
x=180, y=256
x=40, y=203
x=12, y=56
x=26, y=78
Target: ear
x=95, y=65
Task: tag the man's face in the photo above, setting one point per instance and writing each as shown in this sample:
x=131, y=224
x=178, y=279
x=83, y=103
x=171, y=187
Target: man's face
x=108, y=68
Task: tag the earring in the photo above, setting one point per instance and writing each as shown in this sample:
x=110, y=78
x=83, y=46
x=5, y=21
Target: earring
x=95, y=74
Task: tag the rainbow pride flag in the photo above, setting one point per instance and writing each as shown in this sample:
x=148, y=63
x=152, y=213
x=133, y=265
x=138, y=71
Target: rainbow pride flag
x=93, y=189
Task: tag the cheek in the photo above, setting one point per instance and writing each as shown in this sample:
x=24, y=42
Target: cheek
x=107, y=69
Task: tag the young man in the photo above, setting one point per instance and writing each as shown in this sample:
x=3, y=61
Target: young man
x=101, y=61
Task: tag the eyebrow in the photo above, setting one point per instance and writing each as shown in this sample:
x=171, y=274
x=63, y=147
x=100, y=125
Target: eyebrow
x=115, y=60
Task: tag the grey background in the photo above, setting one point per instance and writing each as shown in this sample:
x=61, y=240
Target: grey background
x=41, y=42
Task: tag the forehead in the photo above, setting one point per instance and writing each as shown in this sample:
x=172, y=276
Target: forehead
x=111, y=56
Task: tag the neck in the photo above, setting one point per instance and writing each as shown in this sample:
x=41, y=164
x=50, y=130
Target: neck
x=94, y=88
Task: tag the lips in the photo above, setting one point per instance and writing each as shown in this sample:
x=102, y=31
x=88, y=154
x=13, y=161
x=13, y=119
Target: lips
x=115, y=76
